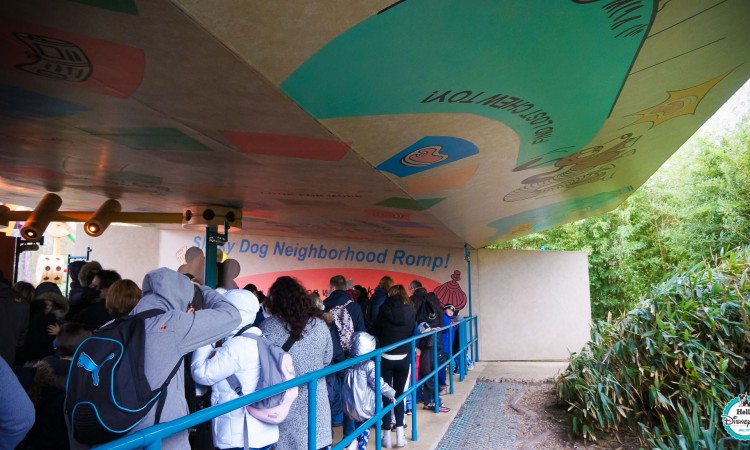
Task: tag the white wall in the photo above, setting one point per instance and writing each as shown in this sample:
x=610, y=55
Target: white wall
x=131, y=251
x=532, y=305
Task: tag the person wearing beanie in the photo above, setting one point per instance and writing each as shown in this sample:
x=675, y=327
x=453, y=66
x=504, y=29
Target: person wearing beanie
x=237, y=356
x=447, y=337
x=94, y=313
x=80, y=292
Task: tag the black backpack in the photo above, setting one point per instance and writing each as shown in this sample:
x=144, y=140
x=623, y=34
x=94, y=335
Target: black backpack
x=369, y=319
x=427, y=311
x=107, y=393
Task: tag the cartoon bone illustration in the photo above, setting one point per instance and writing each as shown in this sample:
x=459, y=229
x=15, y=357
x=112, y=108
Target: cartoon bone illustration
x=87, y=363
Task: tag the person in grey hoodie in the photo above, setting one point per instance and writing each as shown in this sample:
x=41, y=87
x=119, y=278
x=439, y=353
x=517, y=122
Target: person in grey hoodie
x=176, y=333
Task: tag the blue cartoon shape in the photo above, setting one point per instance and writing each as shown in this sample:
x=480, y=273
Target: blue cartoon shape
x=23, y=104
x=87, y=363
x=547, y=216
x=428, y=153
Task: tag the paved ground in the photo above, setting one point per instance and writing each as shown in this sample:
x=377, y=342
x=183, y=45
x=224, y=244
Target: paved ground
x=480, y=415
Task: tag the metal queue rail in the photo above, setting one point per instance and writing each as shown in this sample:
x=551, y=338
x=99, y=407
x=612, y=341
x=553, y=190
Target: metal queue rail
x=150, y=438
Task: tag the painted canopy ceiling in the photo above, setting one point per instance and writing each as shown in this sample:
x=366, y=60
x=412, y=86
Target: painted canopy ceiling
x=424, y=121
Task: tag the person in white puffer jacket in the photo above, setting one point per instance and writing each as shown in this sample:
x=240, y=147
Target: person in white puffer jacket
x=236, y=356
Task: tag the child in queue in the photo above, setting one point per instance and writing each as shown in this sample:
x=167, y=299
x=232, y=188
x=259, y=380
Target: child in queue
x=358, y=391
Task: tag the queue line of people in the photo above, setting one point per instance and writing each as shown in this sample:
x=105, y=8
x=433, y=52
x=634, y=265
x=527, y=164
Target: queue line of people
x=201, y=327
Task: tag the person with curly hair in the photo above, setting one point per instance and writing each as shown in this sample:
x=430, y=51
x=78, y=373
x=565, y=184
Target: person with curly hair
x=295, y=316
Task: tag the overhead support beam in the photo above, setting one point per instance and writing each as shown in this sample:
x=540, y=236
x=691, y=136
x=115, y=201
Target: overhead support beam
x=84, y=216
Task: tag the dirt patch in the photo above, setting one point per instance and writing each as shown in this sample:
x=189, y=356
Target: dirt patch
x=542, y=425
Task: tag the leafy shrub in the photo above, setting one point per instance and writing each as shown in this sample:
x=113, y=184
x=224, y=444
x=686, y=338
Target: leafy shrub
x=665, y=370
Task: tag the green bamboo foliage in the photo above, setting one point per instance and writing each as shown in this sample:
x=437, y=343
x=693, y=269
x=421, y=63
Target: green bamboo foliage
x=665, y=369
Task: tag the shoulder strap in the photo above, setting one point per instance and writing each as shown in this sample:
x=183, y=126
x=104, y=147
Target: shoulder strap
x=243, y=329
x=288, y=344
x=234, y=382
x=163, y=394
x=150, y=313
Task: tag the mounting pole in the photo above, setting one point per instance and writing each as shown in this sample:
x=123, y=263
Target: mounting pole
x=213, y=241
x=475, y=348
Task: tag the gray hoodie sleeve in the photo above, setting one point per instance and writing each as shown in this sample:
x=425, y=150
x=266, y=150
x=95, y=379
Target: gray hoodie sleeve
x=211, y=324
x=16, y=410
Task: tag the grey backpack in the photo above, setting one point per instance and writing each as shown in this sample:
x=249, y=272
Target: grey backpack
x=276, y=366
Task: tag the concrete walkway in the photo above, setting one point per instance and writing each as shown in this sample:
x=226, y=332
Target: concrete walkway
x=431, y=427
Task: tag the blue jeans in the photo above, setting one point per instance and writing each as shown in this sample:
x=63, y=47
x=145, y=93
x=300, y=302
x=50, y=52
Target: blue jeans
x=349, y=425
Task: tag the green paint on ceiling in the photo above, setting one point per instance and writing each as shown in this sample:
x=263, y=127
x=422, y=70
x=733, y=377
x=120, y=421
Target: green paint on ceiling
x=549, y=70
x=121, y=6
x=408, y=203
x=151, y=139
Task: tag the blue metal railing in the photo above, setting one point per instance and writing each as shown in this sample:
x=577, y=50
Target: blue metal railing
x=150, y=438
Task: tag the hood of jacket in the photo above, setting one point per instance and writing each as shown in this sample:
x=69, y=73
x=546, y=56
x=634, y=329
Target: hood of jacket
x=393, y=311
x=337, y=298
x=362, y=343
x=165, y=289
x=246, y=303
x=379, y=294
x=74, y=269
x=86, y=269
x=60, y=303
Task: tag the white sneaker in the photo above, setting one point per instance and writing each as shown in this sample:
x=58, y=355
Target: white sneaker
x=400, y=437
x=387, y=439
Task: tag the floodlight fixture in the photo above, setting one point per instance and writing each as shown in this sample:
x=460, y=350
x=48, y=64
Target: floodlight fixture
x=101, y=219
x=201, y=216
x=39, y=219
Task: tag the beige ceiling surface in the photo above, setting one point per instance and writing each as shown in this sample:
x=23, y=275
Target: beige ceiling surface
x=418, y=121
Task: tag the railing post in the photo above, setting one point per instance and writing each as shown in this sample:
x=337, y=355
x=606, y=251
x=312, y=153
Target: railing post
x=435, y=371
x=475, y=338
x=413, y=394
x=462, y=346
x=469, y=335
x=378, y=401
x=451, y=364
x=312, y=407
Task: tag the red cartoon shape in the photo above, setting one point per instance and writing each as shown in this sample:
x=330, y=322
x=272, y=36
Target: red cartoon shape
x=424, y=156
x=450, y=293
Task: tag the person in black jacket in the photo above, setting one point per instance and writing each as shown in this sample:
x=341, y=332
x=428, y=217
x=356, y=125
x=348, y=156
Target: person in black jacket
x=48, y=391
x=46, y=312
x=376, y=302
x=14, y=321
x=395, y=323
x=426, y=356
x=95, y=314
